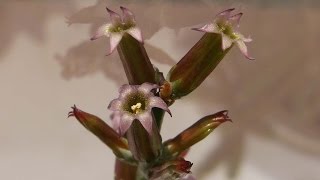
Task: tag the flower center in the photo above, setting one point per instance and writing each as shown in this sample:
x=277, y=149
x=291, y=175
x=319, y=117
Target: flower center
x=227, y=29
x=136, y=108
x=121, y=27
x=135, y=103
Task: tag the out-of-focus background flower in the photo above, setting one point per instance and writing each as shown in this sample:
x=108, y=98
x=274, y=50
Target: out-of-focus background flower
x=47, y=64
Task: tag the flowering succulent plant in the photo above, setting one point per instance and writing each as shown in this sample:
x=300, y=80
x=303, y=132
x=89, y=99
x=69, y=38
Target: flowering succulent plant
x=138, y=112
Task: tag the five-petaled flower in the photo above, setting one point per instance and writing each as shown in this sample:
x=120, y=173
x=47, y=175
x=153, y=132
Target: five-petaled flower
x=224, y=24
x=118, y=27
x=135, y=102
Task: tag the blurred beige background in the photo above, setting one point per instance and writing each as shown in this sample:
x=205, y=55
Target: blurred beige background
x=47, y=64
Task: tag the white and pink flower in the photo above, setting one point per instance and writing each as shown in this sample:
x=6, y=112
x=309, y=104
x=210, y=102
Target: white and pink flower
x=226, y=25
x=135, y=102
x=118, y=27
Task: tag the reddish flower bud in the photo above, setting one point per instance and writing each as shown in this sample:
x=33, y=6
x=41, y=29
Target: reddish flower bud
x=103, y=131
x=195, y=133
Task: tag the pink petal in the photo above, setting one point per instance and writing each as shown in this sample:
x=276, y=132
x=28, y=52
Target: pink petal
x=146, y=121
x=115, y=105
x=136, y=33
x=244, y=39
x=243, y=48
x=226, y=41
x=210, y=28
x=116, y=119
x=235, y=19
x=125, y=123
x=248, y=39
x=115, y=17
x=115, y=39
x=159, y=103
x=224, y=15
x=128, y=16
x=147, y=87
x=102, y=31
x=125, y=90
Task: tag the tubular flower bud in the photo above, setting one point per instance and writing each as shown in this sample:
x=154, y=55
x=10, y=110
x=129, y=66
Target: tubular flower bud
x=195, y=133
x=104, y=132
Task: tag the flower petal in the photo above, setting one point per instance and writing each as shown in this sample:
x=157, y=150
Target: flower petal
x=115, y=17
x=116, y=119
x=235, y=19
x=115, y=105
x=147, y=87
x=136, y=33
x=243, y=48
x=226, y=41
x=210, y=28
x=125, y=123
x=127, y=15
x=224, y=15
x=115, y=39
x=244, y=39
x=146, y=121
x=102, y=31
x=159, y=103
x=125, y=90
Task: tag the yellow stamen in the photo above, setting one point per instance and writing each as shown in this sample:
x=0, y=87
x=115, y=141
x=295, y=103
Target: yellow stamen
x=136, y=108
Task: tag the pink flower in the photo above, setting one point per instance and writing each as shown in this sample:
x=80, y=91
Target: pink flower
x=224, y=24
x=118, y=27
x=135, y=102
